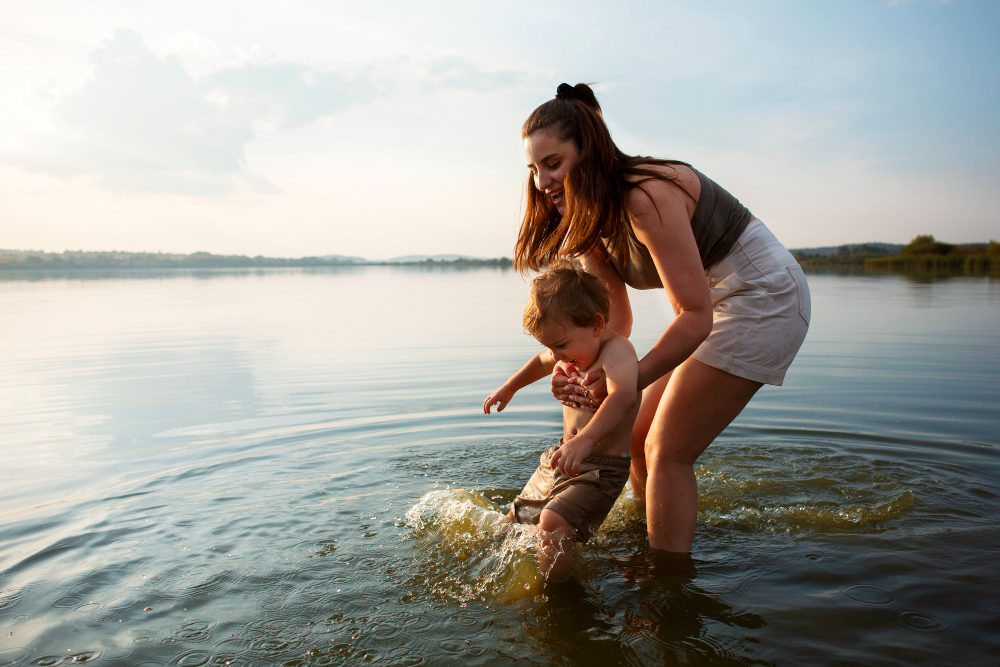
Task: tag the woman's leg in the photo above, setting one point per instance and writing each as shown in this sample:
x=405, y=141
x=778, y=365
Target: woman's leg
x=647, y=410
x=698, y=403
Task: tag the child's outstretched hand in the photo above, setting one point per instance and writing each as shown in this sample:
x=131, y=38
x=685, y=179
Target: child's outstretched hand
x=501, y=397
x=569, y=457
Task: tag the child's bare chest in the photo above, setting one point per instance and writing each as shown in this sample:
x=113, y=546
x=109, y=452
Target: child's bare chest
x=575, y=419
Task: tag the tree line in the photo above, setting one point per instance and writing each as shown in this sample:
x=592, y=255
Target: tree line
x=923, y=252
x=29, y=259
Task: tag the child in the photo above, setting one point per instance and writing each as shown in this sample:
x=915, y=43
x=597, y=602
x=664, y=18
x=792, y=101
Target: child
x=578, y=480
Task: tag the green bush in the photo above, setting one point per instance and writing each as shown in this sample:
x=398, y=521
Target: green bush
x=924, y=244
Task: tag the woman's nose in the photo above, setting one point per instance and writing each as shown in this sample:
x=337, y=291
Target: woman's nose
x=542, y=181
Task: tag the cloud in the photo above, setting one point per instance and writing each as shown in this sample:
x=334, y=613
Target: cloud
x=458, y=73
x=143, y=123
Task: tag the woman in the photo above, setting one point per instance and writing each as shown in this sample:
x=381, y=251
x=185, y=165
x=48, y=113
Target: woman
x=651, y=223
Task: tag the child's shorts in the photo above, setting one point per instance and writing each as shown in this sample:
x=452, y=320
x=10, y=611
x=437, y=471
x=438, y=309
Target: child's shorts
x=584, y=501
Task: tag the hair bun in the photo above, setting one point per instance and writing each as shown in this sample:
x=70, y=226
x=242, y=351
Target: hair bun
x=581, y=92
x=566, y=91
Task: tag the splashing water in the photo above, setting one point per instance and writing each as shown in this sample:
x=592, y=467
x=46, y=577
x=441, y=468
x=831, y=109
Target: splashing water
x=470, y=553
x=759, y=487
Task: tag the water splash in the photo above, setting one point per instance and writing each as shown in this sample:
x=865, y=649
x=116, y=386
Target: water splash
x=468, y=552
x=762, y=487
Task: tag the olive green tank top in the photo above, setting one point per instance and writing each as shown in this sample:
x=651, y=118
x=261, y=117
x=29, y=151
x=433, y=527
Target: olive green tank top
x=719, y=219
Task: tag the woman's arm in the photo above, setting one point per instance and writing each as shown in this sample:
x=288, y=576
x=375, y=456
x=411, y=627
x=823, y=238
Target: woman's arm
x=661, y=221
x=621, y=310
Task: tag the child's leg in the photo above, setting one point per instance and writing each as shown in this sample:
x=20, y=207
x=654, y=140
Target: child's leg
x=555, y=546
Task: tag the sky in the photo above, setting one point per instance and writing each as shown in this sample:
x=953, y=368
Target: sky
x=379, y=129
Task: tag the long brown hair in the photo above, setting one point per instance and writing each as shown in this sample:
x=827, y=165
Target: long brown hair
x=595, y=188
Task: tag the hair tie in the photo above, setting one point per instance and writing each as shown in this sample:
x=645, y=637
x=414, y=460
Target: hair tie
x=566, y=91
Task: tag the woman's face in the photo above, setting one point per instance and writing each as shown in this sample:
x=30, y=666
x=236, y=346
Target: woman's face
x=550, y=159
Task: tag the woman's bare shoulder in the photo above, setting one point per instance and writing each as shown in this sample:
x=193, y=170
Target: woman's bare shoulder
x=681, y=186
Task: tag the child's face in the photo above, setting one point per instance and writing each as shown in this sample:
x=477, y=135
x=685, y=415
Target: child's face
x=578, y=346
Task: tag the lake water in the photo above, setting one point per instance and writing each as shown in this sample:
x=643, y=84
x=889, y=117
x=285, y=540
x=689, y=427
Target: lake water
x=293, y=467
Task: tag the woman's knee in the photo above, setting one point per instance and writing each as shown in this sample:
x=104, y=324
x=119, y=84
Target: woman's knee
x=660, y=454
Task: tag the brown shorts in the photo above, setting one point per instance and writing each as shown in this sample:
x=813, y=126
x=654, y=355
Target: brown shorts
x=584, y=501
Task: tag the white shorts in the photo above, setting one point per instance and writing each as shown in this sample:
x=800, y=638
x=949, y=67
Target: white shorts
x=760, y=309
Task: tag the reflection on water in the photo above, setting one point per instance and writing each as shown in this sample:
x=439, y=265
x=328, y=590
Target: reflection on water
x=262, y=467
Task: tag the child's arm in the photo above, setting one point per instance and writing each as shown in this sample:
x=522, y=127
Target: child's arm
x=539, y=366
x=621, y=368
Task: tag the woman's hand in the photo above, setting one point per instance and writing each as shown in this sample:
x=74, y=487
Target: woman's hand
x=570, y=388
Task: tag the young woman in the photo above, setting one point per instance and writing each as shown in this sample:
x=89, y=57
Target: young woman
x=740, y=299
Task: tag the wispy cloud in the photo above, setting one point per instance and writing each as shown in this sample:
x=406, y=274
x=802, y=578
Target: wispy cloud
x=143, y=122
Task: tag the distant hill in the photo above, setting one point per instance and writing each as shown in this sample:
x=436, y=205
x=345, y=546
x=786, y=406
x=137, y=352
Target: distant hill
x=117, y=259
x=344, y=259
x=923, y=253
x=458, y=261
x=410, y=259
x=851, y=249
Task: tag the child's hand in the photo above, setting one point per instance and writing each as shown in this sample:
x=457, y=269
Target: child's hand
x=501, y=397
x=572, y=453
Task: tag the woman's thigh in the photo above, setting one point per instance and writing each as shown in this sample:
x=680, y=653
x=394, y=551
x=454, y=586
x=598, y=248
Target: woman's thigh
x=698, y=403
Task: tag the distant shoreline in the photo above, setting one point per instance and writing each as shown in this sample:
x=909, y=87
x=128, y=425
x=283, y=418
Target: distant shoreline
x=924, y=253
x=70, y=260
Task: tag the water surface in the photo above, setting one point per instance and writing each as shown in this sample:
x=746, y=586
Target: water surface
x=292, y=467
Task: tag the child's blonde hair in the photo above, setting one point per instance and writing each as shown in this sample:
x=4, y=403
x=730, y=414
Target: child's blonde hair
x=567, y=294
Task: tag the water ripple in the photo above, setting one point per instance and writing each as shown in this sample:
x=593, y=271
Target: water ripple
x=921, y=621
x=869, y=594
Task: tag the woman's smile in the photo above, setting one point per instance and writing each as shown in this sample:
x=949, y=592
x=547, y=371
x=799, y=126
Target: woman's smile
x=558, y=199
